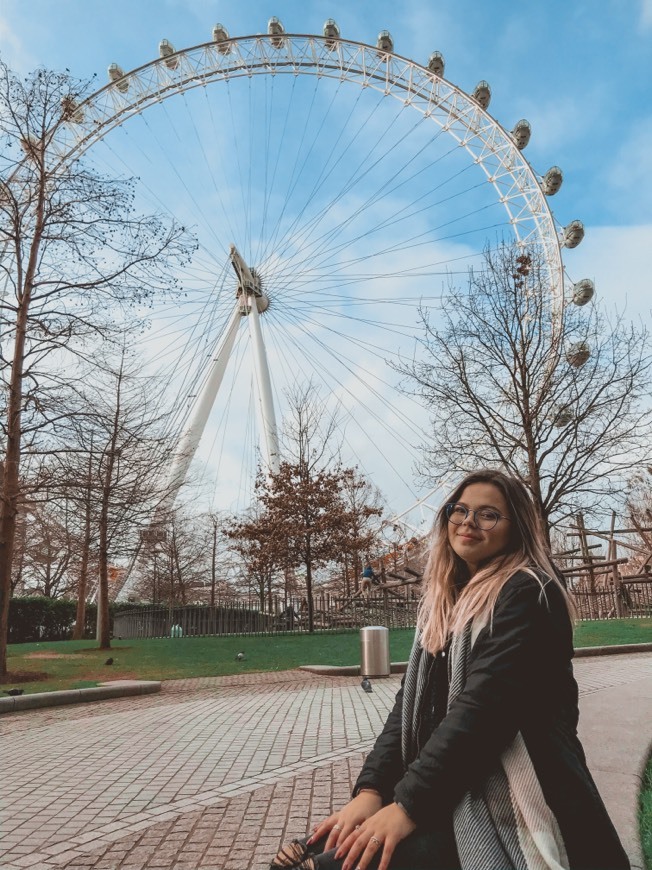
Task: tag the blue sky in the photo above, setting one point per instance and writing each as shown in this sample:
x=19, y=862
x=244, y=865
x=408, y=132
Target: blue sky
x=579, y=72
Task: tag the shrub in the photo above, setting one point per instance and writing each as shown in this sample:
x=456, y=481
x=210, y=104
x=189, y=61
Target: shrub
x=36, y=618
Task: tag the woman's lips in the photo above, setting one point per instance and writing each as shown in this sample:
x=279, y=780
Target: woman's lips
x=468, y=537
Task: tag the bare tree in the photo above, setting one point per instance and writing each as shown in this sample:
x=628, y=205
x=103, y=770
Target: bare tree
x=361, y=526
x=186, y=559
x=128, y=454
x=74, y=253
x=50, y=551
x=554, y=395
x=186, y=554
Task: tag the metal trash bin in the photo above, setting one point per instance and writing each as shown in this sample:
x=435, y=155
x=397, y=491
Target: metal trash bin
x=374, y=651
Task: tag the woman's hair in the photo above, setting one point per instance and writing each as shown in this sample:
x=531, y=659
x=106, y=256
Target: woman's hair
x=441, y=612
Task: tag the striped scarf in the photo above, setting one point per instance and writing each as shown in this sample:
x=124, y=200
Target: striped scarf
x=507, y=824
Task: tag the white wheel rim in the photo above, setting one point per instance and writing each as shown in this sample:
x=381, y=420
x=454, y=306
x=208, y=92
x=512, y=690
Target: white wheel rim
x=489, y=145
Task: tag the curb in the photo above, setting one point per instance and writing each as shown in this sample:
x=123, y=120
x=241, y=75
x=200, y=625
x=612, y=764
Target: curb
x=400, y=667
x=350, y=670
x=616, y=649
x=112, y=689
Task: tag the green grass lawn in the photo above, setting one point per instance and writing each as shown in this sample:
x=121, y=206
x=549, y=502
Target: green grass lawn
x=645, y=816
x=75, y=664
x=607, y=632
x=71, y=664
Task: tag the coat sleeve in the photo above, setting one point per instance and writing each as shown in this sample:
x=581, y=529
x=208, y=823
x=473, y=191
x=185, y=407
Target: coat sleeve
x=383, y=766
x=485, y=717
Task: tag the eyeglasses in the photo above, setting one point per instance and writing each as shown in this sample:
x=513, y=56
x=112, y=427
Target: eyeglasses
x=484, y=518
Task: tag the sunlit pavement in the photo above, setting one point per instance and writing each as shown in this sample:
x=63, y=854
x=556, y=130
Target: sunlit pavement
x=213, y=773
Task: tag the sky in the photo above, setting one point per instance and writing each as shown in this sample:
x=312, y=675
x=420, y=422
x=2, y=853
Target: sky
x=579, y=72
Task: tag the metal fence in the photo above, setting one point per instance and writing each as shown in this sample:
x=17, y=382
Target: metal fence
x=632, y=599
x=246, y=617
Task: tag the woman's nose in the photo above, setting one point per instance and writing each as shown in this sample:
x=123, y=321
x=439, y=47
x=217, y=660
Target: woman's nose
x=470, y=519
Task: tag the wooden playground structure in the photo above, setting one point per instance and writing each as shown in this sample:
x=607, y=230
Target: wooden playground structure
x=397, y=574
x=617, y=584
x=608, y=571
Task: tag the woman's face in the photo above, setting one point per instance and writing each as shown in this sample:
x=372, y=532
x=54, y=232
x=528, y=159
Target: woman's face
x=475, y=545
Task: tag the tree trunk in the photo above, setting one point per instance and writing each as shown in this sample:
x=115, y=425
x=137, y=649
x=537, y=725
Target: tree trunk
x=80, y=617
x=17, y=570
x=213, y=565
x=180, y=583
x=311, y=608
x=103, y=623
x=534, y=480
x=11, y=465
x=11, y=476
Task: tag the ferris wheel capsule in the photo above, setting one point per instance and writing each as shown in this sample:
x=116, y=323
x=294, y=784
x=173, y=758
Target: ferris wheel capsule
x=385, y=43
x=552, y=181
x=578, y=354
x=167, y=54
x=70, y=110
x=482, y=94
x=436, y=63
x=562, y=416
x=331, y=32
x=583, y=291
x=276, y=31
x=573, y=234
x=521, y=134
x=117, y=77
x=221, y=37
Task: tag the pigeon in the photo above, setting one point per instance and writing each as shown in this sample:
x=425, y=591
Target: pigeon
x=108, y=662
x=366, y=684
x=240, y=657
x=13, y=692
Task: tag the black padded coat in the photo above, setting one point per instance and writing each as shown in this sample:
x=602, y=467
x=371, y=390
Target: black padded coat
x=519, y=678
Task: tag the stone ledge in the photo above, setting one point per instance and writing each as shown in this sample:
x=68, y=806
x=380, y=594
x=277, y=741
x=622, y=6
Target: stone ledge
x=112, y=689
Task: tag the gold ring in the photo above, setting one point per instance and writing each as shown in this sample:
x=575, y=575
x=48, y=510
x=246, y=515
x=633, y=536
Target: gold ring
x=375, y=840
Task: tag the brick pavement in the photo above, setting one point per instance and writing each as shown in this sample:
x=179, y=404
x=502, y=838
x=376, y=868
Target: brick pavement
x=212, y=773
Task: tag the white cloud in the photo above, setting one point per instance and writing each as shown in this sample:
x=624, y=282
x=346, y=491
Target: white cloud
x=12, y=48
x=646, y=14
x=629, y=176
x=555, y=120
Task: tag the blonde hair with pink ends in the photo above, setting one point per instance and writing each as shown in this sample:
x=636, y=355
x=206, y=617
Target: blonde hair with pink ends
x=440, y=612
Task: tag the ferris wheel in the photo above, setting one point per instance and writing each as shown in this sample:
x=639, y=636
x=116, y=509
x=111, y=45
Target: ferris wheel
x=334, y=187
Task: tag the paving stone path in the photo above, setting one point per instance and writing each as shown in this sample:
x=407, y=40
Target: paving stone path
x=211, y=773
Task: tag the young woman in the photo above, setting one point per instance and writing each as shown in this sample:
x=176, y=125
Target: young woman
x=478, y=766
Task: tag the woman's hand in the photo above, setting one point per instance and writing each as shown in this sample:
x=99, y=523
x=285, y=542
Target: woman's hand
x=383, y=831
x=341, y=824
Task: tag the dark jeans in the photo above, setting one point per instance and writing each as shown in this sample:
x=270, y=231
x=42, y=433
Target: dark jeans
x=422, y=850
